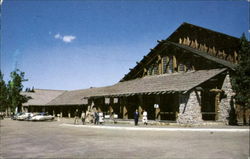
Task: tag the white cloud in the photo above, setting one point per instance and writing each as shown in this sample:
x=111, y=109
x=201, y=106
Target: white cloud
x=58, y=36
x=65, y=38
x=68, y=38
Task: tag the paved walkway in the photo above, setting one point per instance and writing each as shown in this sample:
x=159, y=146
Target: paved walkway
x=63, y=139
x=145, y=128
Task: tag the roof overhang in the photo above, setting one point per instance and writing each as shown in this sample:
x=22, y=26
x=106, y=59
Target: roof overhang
x=160, y=84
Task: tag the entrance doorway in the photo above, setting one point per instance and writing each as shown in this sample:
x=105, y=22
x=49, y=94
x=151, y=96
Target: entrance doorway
x=169, y=105
x=208, y=105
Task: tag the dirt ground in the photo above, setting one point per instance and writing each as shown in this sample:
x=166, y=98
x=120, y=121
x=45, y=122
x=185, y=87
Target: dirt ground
x=23, y=139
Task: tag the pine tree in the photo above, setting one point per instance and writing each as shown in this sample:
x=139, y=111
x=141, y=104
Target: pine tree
x=241, y=78
x=15, y=87
x=3, y=94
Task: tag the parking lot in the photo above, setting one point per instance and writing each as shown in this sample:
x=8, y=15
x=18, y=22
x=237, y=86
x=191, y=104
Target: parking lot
x=55, y=139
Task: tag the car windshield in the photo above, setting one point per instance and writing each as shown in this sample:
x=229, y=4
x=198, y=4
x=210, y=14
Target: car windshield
x=43, y=113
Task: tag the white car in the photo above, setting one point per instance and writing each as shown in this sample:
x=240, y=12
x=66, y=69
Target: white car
x=24, y=116
x=41, y=117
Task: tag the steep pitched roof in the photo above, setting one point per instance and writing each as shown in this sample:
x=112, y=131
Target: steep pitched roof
x=204, y=36
x=41, y=96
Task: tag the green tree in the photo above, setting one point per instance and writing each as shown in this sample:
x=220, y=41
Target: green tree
x=241, y=78
x=3, y=94
x=16, y=99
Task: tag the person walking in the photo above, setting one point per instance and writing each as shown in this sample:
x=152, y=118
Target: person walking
x=83, y=116
x=145, y=117
x=114, y=116
x=76, y=116
x=136, y=117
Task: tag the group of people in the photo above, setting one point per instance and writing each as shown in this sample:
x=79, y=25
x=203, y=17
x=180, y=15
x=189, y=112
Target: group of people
x=92, y=117
x=97, y=117
x=144, y=117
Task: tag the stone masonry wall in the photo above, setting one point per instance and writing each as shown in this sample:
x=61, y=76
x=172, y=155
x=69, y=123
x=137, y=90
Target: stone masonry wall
x=190, y=109
x=224, y=106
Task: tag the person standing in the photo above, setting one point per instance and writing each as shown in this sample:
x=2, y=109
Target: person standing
x=136, y=117
x=100, y=114
x=83, y=116
x=76, y=116
x=96, y=118
x=145, y=117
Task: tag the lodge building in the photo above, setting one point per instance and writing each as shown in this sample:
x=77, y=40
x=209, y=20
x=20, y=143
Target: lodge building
x=184, y=79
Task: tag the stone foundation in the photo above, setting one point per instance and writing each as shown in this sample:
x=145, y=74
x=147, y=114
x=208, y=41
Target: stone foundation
x=225, y=104
x=189, y=109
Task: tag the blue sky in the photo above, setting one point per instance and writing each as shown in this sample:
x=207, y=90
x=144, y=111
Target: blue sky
x=78, y=44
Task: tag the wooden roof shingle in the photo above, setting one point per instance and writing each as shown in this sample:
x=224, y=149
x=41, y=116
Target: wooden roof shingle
x=166, y=83
x=41, y=96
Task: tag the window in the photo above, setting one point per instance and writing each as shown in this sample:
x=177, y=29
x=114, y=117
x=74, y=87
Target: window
x=170, y=65
x=150, y=70
x=164, y=64
x=155, y=70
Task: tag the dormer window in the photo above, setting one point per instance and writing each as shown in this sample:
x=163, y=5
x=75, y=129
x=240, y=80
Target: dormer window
x=155, y=70
x=170, y=65
x=164, y=64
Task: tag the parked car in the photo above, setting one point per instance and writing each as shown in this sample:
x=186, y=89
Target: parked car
x=14, y=116
x=41, y=117
x=25, y=116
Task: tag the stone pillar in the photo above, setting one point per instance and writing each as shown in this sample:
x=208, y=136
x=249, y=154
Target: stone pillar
x=157, y=114
x=190, y=109
x=125, y=112
x=111, y=109
x=158, y=110
x=124, y=108
x=174, y=64
x=224, y=106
